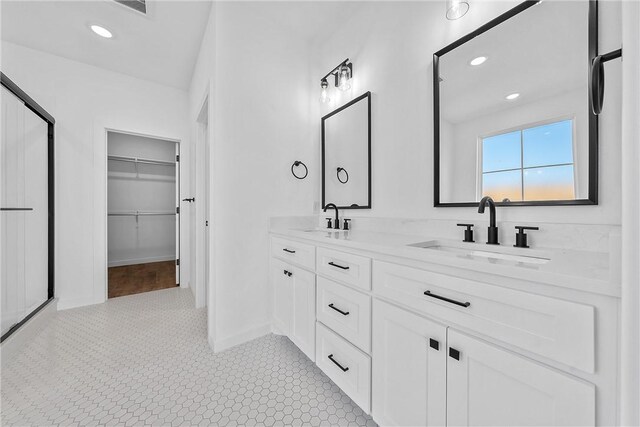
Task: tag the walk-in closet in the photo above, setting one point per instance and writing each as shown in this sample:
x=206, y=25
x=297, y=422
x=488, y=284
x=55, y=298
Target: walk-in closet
x=143, y=215
x=26, y=207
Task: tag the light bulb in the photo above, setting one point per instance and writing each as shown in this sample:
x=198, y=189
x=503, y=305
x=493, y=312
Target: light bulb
x=456, y=9
x=343, y=79
x=324, y=95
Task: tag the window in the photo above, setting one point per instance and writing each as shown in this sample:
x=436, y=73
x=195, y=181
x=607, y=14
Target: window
x=534, y=163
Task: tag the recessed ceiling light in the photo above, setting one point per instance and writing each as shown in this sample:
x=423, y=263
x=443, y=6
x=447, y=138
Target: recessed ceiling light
x=512, y=96
x=101, y=31
x=479, y=60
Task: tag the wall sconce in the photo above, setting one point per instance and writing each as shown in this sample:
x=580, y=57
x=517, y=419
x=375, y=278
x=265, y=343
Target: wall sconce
x=456, y=9
x=324, y=96
x=342, y=73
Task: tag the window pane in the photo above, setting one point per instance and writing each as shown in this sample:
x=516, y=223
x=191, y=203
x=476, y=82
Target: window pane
x=501, y=152
x=550, y=144
x=502, y=185
x=551, y=183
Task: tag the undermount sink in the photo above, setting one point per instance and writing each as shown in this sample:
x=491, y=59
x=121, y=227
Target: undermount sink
x=322, y=230
x=477, y=250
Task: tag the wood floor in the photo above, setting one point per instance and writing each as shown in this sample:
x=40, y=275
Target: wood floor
x=138, y=278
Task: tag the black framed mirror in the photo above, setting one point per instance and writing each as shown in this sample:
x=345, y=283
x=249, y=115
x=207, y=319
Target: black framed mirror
x=346, y=155
x=511, y=109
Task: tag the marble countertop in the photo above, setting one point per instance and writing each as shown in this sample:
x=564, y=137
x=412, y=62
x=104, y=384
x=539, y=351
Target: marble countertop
x=581, y=270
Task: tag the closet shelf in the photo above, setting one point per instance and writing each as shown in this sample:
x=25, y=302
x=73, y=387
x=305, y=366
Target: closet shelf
x=141, y=160
x=140, y=213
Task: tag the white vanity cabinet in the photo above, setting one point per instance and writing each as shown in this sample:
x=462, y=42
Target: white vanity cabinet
x=427, y=374
x=409, y=368
x=487, y=385
x=417, y=343
x=294, y=305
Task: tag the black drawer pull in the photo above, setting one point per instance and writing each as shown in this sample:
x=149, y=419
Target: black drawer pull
x=452, y=301
x=338, y=265
x=288, y=273
x=337, y=364
x=454, y=354
x=434, y=344
x=289, y=251
x=15, y=209
x=344, y=313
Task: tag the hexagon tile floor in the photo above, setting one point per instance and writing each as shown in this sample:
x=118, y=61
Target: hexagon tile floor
x=144, y=360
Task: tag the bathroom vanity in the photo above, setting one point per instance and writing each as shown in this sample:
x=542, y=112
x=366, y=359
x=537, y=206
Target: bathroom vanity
x=439, y=332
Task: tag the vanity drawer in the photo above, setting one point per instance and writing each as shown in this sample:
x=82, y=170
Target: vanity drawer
x=561, y=330
x=346, y=311
x=347, y=268
x=347, y=366
x=301, y=254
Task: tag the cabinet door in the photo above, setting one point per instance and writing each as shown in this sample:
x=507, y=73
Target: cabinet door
x=409, y=368
x=303, y=320
x=487, y=385
x=282, y=296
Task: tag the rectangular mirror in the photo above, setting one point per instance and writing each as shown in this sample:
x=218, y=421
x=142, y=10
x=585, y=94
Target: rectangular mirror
x=346, y=155
x=511, y=109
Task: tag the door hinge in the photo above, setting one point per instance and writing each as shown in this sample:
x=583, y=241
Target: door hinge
x=178, y=210
x=177, y=157
x=178, y=261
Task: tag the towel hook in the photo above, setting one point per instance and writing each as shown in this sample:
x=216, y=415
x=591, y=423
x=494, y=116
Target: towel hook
x=298, y=163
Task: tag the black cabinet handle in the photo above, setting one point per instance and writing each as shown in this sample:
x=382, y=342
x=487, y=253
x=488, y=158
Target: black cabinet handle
x=288, y=273
x=289, y=251
x=15, y=209
x=454, y=354
x=337, y=265
x=344, y=313
x=434, y=344
x=337, y=364
x=452, y=301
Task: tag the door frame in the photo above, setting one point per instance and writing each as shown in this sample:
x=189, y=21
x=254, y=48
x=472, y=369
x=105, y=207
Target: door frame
x=178, y=143
x=200, y=166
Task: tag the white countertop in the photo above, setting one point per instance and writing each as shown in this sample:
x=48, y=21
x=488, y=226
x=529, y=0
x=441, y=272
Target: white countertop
x=581, y=270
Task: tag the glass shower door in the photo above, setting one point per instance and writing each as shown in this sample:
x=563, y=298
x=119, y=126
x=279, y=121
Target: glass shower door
x=24, y=211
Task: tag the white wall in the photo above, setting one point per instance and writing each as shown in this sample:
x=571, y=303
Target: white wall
x=86, y=100
x=260, y=124
x=391, y=46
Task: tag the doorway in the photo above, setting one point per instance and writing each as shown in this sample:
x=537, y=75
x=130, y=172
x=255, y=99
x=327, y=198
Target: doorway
x=143, y=215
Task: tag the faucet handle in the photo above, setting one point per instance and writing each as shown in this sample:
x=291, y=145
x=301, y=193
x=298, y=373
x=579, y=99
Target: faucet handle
x=346, y=223
x=329, y=222
x=468, y=233
x=521, y=236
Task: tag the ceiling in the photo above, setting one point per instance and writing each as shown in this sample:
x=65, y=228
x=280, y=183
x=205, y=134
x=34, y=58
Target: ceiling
x=161, y=47
x=539, y=53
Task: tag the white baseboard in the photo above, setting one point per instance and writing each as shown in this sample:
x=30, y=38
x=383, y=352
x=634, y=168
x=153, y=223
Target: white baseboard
x=241, y=338
x=135, y=261
x=67, y=303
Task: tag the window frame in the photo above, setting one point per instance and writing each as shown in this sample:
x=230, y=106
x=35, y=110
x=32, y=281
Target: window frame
x=521, y=128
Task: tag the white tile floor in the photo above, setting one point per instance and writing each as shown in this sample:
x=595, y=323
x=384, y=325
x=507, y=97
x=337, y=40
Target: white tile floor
x=144, y=359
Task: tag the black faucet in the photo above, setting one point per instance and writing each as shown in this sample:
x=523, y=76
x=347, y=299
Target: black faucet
x=336, y=223
x=492, y=238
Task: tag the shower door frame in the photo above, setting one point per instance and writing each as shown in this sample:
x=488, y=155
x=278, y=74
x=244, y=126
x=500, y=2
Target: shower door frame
x=48, y=118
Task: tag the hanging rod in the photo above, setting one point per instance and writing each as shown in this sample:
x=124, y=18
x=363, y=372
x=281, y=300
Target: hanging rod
x=141, y=160
x=139, y=213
